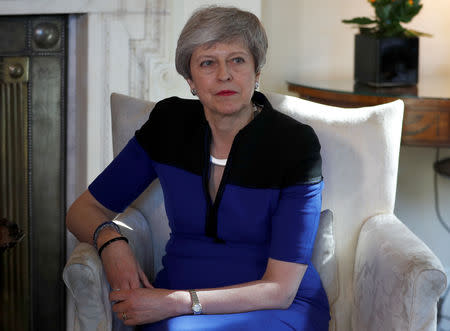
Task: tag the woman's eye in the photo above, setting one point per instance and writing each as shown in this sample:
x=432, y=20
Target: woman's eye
x=238, y=60
x=206, y=63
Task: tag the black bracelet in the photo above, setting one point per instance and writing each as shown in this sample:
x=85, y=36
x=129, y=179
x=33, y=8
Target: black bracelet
x=110, y=242
x=101, y=227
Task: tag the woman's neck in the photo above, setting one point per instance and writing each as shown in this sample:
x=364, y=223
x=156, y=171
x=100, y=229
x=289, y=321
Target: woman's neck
x=224, y=129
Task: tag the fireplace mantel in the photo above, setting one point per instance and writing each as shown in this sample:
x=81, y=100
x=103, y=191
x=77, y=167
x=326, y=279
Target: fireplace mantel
x=39, y=7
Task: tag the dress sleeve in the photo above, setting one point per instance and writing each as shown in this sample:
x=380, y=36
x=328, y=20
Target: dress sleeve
x=125, y=178
x=295, y=223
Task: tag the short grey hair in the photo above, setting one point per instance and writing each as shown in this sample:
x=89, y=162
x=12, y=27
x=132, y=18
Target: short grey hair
x=210, y=25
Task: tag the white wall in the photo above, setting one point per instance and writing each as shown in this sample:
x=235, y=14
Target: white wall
x=307, y=39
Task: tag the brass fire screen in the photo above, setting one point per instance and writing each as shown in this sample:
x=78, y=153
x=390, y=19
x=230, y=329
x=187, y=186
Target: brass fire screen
x=14, y=185
x=32, y=170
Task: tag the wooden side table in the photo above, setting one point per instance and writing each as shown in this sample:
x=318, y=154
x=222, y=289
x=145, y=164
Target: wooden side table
x=427, y=105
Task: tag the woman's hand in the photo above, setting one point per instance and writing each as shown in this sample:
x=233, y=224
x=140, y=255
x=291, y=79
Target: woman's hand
x=149, y=305
x=121, y=267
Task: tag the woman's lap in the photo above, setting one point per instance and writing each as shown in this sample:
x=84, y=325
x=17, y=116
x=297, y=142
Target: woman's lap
x=303, y=317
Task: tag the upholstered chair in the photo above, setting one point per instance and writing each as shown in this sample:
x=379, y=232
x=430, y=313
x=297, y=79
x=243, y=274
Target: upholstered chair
x=377, y=274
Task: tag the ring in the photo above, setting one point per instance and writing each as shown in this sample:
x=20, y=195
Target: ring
x=116, y=289
x=124, y=316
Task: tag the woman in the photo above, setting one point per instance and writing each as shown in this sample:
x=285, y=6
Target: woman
x=242, y=187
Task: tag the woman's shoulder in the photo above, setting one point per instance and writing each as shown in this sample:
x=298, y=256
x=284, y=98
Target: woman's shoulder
x=175, y=106
x=287, y=131
x=296, y=148
x=170, y=121
x=174, y=113
x=292, y=135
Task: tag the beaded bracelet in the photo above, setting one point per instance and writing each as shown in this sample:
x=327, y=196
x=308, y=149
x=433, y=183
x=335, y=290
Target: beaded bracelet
x=110, y=242
x=110, y=224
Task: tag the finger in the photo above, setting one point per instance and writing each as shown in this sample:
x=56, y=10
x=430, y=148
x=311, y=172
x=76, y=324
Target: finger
x=125, y=318
x=144, y=279
x=135, y=281
x=118, y=295
x=128, y=284
x=121, y=285
x=120, y=307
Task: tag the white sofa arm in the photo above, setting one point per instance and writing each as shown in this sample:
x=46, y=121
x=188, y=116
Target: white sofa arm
x=397, y=279
x=86, y=281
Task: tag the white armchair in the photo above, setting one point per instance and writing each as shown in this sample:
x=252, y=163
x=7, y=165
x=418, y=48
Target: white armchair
x=377, y=274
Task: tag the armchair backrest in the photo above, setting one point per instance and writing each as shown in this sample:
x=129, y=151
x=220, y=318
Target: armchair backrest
x=360, y=150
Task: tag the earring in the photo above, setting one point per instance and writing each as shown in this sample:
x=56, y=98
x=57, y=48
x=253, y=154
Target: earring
x=256, y=85
x=194, y=91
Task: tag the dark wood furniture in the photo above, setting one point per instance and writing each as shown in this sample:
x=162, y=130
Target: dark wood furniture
x=427, y=105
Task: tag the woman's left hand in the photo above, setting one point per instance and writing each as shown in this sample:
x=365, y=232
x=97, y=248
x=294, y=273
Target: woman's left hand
x=147, y=305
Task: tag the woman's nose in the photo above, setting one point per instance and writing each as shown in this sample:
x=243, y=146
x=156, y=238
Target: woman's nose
x=223, y=73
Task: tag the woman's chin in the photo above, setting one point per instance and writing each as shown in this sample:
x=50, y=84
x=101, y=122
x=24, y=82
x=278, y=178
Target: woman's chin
x=230, y=109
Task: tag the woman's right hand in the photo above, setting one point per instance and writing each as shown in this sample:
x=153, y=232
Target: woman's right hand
x=121, y=267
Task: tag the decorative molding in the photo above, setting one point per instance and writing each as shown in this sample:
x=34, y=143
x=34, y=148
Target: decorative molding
x=33, y=7
x=149, y=58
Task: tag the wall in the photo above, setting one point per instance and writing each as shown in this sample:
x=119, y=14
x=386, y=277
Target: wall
x=320, y=46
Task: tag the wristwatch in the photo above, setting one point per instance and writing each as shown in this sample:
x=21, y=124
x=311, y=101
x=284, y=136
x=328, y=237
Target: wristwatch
x=196, y=306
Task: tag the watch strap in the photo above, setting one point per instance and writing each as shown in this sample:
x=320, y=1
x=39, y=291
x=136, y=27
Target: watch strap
x=196, y=306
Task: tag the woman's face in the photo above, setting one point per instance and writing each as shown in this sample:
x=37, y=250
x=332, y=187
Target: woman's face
x=224, y=77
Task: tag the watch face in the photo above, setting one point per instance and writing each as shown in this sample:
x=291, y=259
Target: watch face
x=197, y=308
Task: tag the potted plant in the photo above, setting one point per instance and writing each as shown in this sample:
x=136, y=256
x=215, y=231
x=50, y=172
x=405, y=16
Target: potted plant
x=386, y=53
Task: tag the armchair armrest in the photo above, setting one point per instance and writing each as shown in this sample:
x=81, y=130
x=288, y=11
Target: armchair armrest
x=86, y=280
x=397, y=279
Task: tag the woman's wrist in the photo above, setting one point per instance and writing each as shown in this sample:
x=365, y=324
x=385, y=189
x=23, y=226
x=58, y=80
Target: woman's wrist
x=101, y=228
x=106, y=235
x=182, y=303
x=109, y=242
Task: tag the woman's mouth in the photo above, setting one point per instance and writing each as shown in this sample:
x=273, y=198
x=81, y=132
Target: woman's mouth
x=226, y=93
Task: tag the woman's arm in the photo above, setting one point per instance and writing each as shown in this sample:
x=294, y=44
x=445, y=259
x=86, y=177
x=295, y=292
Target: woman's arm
x=122, y=269
x=125, y=178
x=276, y=290
x=85, y=215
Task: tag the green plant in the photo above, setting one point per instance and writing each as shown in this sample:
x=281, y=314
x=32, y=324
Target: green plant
x=389, y=16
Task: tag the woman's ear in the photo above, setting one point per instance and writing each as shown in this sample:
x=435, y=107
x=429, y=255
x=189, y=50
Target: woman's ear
x=191, y=83
x=192, y=86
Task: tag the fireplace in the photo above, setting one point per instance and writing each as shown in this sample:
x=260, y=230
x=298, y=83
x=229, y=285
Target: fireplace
x=61, y=70
x=32, y=163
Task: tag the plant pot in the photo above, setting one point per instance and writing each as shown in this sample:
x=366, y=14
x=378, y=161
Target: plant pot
x=389, y=61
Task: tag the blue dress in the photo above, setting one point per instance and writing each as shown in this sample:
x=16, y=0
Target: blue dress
x=267, y=205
